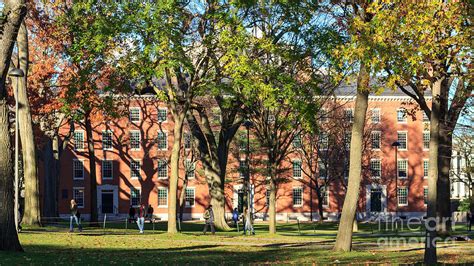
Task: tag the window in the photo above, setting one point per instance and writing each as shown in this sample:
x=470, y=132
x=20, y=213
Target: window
x=187, y=141
x=323, y=172
x=189, y=197
x=325, y=196
x=297, y=172
x=402, y=139
x=323, y=141
x=135, y=197
x=401, y=116
x=78, y=196
x=426, y=140
x=297, y=196
x=78, y=169
x=347, y=140
x=162, y=140
x=107, y=169
x=402, y=195
x=190, y=168
x=162, y=169
x=162, y=114
x=297, y=143
x=425, y=195
x=425, y=117
x=376, y=168
x=349, y=115
x=426, y=166
x=242, y=168
x=135, y=114
x=135, y=169
x=78, y=140
x=375, y=115
x=107, y=140
x=162, y=197
x=135, y=140
x=402, y=168
x=375, y=139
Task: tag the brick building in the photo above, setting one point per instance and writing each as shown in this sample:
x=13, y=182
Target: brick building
x=132, y=154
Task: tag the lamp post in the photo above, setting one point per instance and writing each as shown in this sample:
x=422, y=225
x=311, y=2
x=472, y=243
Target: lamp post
x=248, y=125
x=17, y=73
x=396, y=144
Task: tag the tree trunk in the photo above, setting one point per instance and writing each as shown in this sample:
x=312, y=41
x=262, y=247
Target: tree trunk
x=32, y=213
x=13, y=13
x=344, y=233
x=443, y=209
x=182, y=198
x=430, y=257
x=92, y=171
x=216, y=192
x=272, y=207
x=50, y=202
x=174, y=165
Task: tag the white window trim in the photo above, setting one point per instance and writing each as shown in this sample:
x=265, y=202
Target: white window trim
x=166, y=118
x=83, y=196
x=380, y=161
x=326, y=190
x=131, y=170
x=158, y=170
x=301, y=168
x=193, y=164
x=408, y=166
x=83, y=170
x=398, y=197
x=423, y=165
x=380, y=139
x=158, y=197
x=112, y=146
x=352, y=114
x=406, y=116
x=140, y=192
x=185, y=202
x=241, y=171
x=302, y=197
x=424, y=203
x=83, y=140
x=130, y=114
x=111, y=168
x=139, y=140
x=423, y=140
x=371, y=115
x=166, y=134
x=320, y=140
x=190, y=140
x=406, y=134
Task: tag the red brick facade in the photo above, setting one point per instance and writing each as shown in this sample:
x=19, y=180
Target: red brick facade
x=114, y=185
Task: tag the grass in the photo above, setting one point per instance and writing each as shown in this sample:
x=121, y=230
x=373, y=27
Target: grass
x=310, y=244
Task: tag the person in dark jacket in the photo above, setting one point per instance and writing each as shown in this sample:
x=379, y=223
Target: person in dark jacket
x=235, y=216
x=73, y=209
x=470, y=221
x=209, y=217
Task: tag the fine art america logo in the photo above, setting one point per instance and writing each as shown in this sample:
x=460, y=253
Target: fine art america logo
x=414, y=231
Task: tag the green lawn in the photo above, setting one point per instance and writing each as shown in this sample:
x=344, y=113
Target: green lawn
x=311, y=243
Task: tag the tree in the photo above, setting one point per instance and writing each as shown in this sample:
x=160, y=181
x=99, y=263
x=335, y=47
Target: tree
x=13, y=14
x=32, y=213
x=445, y=54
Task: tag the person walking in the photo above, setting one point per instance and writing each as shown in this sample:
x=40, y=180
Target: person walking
x=141, y=217
x=131, y=214
x=73, y=209
x=248, y=225
x=209, y=217
x=235, y=216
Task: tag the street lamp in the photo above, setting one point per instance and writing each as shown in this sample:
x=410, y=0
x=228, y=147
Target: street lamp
x=396, y=144
x=17, y=73
x=247, y=125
